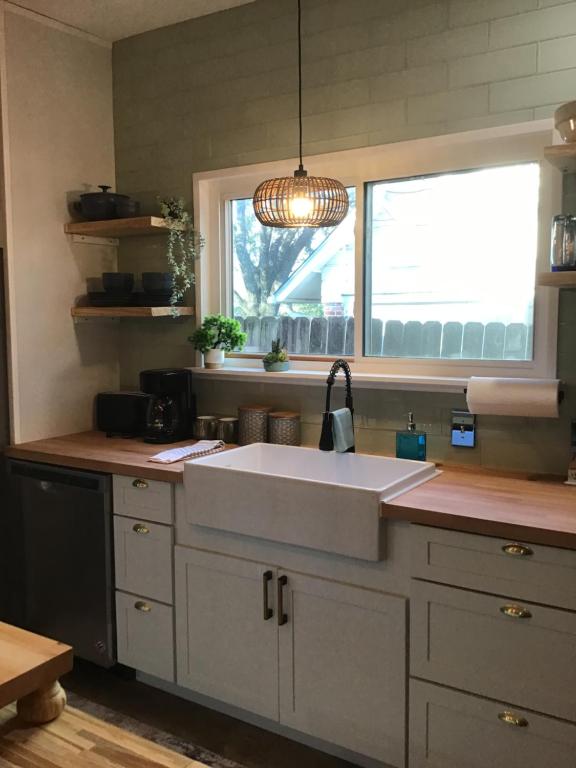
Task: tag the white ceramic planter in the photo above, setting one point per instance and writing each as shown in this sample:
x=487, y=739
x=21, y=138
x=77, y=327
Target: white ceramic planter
x=214, y=358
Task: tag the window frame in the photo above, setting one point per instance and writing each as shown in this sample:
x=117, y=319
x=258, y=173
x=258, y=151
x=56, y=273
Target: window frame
x=358, y=167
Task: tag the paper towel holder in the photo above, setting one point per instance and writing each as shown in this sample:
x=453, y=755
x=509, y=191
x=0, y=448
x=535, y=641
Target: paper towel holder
x=560, y=394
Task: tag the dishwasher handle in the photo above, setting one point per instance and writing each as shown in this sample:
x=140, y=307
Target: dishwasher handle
x=88, y=481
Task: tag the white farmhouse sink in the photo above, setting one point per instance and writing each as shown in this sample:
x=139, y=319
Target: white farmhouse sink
x=301, y=496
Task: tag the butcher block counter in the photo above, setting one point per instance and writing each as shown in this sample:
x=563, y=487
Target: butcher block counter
x=94, y=451
x=536, y=509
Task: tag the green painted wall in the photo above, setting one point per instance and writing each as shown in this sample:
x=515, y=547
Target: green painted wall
x=220, y=91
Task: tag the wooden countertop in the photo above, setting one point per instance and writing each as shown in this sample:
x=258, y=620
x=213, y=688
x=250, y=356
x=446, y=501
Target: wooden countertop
x=94, y=451
x=534, y=509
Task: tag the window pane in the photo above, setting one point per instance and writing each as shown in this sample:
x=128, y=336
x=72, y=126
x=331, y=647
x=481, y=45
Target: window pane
x=294, y=284
x=450, y=265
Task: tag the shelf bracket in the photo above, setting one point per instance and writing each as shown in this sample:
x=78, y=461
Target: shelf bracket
x=91, y=240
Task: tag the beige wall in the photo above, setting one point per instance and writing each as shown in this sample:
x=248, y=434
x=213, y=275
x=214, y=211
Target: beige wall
x=58, y=138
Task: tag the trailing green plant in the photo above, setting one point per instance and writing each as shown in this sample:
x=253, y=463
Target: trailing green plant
x=218, y=332
x=184, y=246
x=278, y=354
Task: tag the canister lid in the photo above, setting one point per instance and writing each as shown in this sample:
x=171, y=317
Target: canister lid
x=259, y=408
x=292, y=415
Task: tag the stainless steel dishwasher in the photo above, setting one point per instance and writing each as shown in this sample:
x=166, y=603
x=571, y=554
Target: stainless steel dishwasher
x=63, y=521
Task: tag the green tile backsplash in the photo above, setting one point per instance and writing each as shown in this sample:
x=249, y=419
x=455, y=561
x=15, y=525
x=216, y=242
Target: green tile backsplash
x=219, y=91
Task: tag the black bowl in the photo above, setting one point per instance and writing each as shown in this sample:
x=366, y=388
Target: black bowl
x=157, y=282
x=117, y=282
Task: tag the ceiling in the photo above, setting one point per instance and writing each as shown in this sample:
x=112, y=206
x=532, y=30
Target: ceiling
x=114, y=19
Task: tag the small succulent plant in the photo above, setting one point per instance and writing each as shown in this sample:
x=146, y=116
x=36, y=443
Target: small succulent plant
x=278, y=354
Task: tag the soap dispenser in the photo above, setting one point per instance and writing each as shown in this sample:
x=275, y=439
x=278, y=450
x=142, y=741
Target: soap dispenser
x=411, y=444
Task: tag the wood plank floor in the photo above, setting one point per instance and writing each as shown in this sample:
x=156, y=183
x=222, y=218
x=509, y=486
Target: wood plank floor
x=77, y=740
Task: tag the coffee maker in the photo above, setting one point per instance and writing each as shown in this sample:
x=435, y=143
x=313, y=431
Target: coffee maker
x=172, y=407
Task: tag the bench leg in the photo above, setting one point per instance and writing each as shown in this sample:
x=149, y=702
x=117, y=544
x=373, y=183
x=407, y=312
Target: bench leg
x=43, y=705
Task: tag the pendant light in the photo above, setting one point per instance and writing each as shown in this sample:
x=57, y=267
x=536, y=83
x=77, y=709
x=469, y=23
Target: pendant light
x=300, y=200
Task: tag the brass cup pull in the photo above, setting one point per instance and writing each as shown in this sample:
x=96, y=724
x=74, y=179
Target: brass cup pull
x=140, y=528
x=140, y=605
x=511, y=719
x=517, y=550
x=140, y=484
x=516, y=612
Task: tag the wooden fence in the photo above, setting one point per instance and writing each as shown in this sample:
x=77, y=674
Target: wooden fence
x=335, y=336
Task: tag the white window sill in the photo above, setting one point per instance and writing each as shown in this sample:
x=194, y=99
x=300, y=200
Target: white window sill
x=302, y=376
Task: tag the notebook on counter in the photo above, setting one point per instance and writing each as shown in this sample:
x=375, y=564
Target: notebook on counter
x=201, y=448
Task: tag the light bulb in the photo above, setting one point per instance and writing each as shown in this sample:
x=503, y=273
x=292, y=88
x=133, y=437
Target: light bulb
x=301, y=206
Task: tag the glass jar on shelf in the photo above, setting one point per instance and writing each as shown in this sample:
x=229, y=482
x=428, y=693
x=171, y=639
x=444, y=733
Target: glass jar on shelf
x=563, y=243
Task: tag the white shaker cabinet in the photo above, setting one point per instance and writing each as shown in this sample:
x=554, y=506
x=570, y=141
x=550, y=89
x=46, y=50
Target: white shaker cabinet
x=143, y=553
x=143, y=558
x=452, y=729
x=145, y=635
x=342, y=665
x=332, y=655
x=226, y=648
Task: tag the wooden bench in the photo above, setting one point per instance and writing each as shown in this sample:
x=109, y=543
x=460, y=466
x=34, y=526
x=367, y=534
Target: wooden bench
x=30, y=666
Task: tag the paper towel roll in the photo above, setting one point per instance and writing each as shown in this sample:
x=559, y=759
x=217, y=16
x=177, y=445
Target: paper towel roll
x=513, y=397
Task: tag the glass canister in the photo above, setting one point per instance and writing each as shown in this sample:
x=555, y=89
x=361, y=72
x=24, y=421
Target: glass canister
x=253, y=424
x=563, y=243
x=284, y=428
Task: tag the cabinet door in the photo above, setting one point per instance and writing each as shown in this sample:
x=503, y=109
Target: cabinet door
x=343, y=665
x=226, y=648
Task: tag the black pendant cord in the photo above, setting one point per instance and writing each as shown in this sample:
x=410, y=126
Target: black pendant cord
x=301, y=166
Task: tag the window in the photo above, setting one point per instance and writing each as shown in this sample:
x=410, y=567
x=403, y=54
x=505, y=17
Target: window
x=430, y=279
x=450, y=264
x=293, y=284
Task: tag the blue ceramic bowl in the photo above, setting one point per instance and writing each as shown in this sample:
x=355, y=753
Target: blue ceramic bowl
x=275, y=367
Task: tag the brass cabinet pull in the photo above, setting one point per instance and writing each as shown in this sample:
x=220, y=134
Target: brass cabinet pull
x=267, y=577
x=517, y=550
x=516, y=612
x=140, y=605
x=140, y=483
x=282, y=617
x=511, y=719
x=140, y=528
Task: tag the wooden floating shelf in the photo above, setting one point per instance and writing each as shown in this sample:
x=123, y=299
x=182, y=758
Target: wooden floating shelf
x=114, y=312
x=563, y=156
x=142, y=225
x=557, y=279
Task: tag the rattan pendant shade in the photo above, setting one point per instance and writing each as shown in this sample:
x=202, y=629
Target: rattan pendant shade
x=300, y=200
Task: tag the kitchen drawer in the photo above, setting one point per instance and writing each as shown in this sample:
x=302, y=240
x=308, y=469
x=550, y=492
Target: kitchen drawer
x=145, y=635
x=465, y=640
x=143, y=558
x=499, y=566
x=449, y=729
x=145, y=499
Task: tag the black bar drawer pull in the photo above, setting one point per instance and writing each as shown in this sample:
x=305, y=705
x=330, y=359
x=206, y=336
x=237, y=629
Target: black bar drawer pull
x=282, y=617
x=267, y=577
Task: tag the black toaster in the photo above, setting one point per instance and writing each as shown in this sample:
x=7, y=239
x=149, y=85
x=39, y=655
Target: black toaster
x=121, y=414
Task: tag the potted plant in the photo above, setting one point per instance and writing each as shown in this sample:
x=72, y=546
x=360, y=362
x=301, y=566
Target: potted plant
x=217, y=334
x=183, y=248
x=277, y=359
